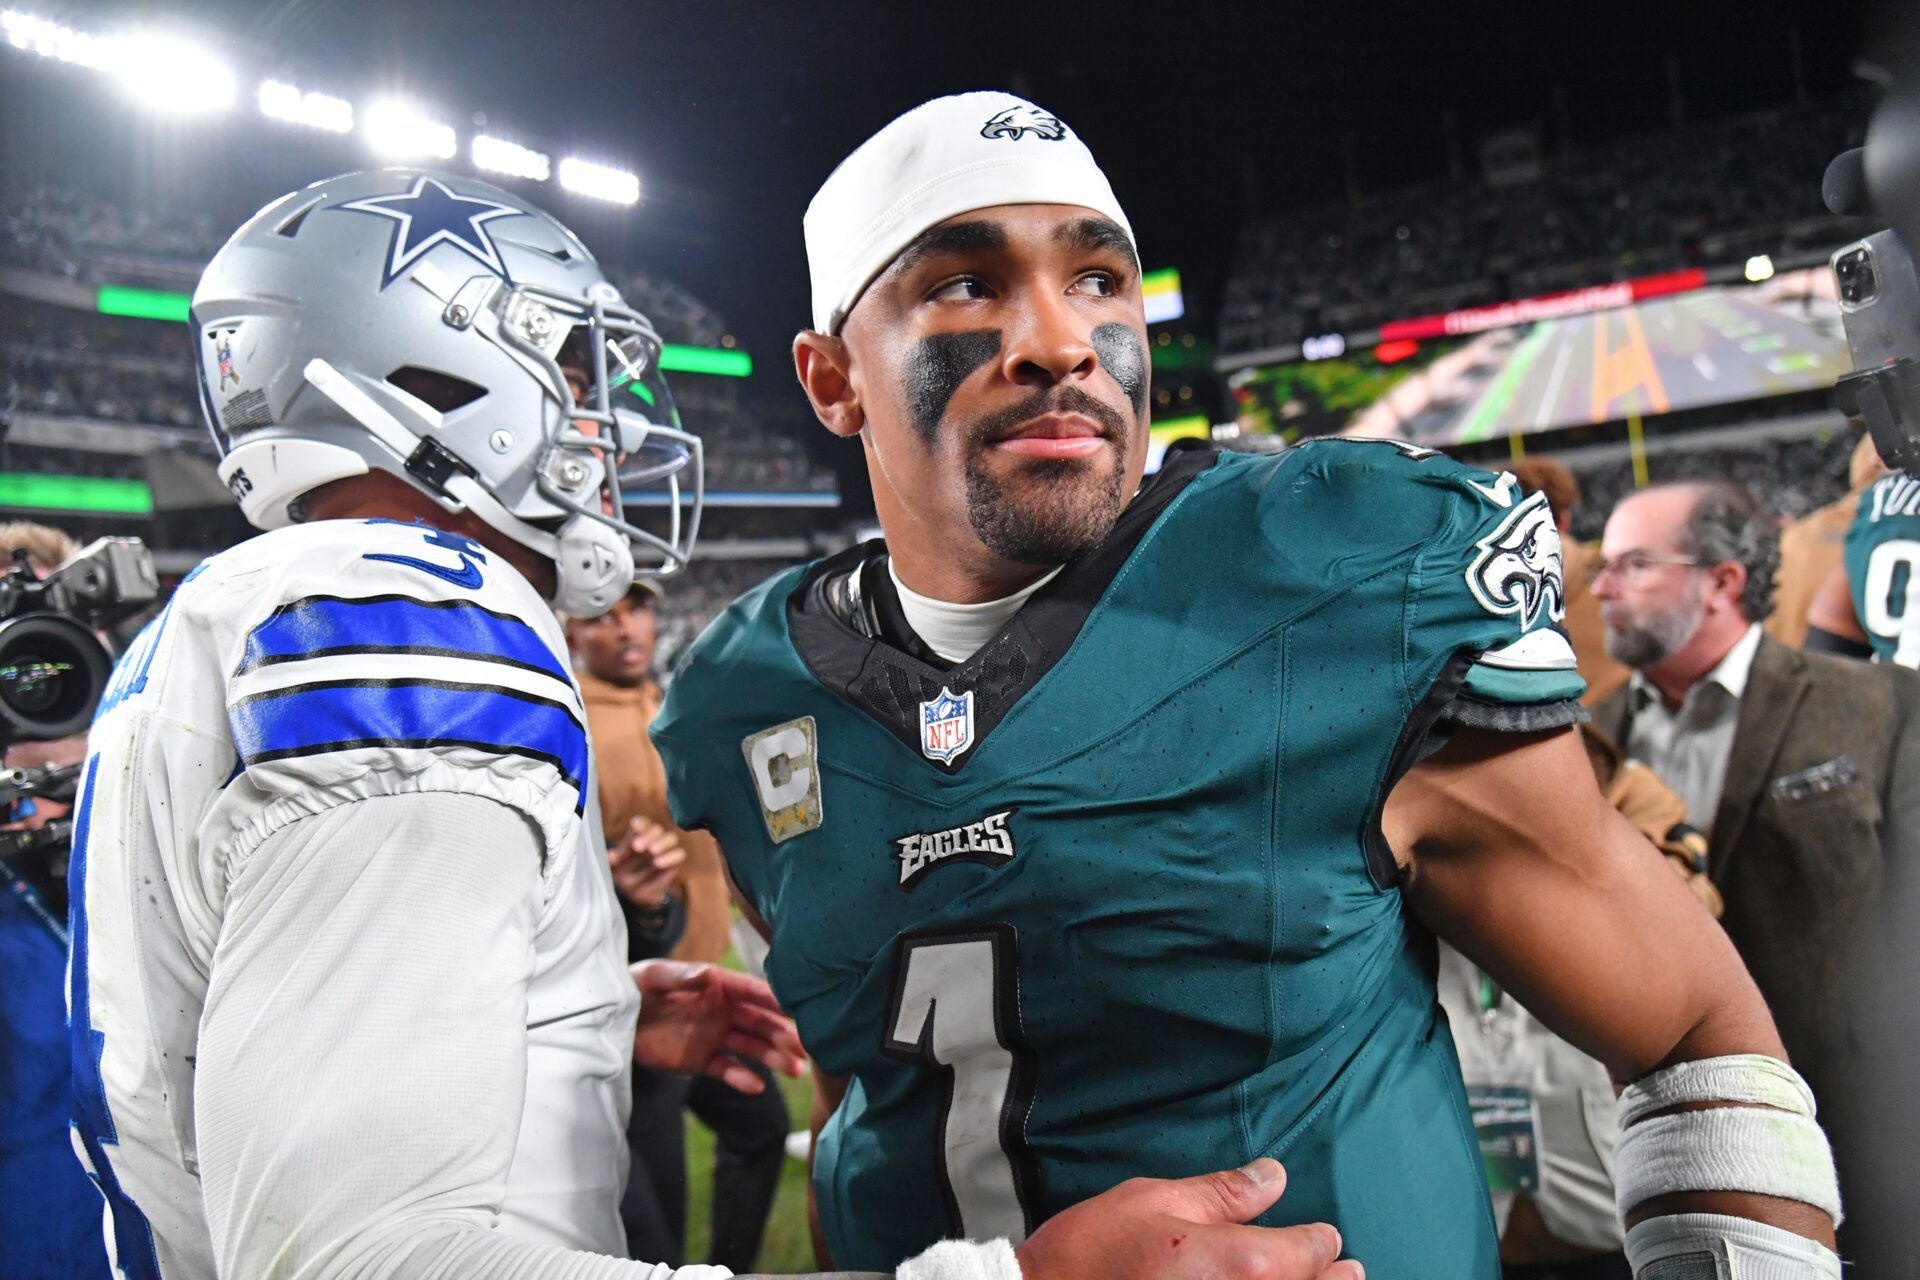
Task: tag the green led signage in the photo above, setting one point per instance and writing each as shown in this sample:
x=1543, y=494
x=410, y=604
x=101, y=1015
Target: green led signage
x=142, y=304
x=75, y=493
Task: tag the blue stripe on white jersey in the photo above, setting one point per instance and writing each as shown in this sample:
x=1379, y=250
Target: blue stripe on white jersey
x=321, y=626
x=131, y=1237
x=346, y=715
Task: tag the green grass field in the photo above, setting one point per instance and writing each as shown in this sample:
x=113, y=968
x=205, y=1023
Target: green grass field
x=788, y=1246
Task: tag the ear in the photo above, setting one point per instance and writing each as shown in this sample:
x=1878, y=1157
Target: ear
x=822, y=364
x=1729, y=581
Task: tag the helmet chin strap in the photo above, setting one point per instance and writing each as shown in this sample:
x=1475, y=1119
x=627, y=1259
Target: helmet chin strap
x=593, y=564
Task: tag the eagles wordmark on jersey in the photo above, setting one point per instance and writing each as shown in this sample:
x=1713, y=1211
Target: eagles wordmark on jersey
x=308, y=668
x=1110, y=898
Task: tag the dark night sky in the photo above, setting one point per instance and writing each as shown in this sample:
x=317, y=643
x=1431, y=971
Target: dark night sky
x=733, y=113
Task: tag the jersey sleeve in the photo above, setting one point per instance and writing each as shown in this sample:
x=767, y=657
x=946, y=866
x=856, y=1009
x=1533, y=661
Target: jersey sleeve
x=707, y=790
x=369, y=658
x=1487, y=601
x=736, y=766
x=383, y=941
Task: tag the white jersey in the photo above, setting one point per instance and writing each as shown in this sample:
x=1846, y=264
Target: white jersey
x=305, y=670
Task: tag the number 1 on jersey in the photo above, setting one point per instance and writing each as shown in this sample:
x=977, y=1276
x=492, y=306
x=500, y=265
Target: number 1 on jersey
x=956, y=1007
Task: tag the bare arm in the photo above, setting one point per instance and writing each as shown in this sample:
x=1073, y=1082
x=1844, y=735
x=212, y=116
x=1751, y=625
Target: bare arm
x=1832, y=607
x=1513, y=856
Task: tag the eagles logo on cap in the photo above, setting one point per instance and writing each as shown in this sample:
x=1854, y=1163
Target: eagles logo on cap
x=1018, y=121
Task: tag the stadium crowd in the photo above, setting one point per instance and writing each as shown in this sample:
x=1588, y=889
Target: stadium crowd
x=1791, y=477
x=1707, y=194
x=140, y=372
x=61, y=231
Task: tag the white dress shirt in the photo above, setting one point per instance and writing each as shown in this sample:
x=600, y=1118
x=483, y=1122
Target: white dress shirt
x=1689, y=748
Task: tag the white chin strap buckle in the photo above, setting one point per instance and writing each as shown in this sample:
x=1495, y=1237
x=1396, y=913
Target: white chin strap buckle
x=594, y=567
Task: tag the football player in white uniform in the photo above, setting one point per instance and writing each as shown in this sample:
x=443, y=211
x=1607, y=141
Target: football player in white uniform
x=348, y=989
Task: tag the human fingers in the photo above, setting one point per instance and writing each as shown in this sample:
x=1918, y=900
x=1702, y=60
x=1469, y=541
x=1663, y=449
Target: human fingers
x=1346, y=1270
x=665, y=977
x=745, y=989
x=736, y=1074
x=666, y=859
x=649, y=889
x=1229, y=1195
x=1305, y=1252
x=658, y=837
x=771, y=1054
x=773, y=1028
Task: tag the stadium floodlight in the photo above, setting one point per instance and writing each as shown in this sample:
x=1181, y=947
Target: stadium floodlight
x=497, y=155
x=170, y=74
x=397, y=130
x=282, y=101
x=51, y=40
x=1325, y=346
x=1759, y=267
x=599, y=181
x=164, y=72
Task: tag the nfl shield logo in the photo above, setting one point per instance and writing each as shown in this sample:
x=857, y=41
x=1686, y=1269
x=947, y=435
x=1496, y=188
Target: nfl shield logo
x=946, y=725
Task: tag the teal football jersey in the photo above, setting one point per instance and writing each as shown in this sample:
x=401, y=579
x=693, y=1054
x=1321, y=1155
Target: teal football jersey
x=1110, y=898
x=1883, y=550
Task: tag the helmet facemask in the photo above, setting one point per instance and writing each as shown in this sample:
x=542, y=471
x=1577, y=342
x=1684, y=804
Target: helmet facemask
x=622, y=437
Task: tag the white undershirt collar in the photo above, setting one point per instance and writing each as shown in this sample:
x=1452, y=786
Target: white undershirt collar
x=955, y=632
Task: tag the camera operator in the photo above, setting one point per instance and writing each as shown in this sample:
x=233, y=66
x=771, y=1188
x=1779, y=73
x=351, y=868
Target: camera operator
x=49, y=1209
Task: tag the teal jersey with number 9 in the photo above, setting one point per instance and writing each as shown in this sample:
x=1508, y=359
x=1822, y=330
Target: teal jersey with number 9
x=1882, y=554
x=1109, y=898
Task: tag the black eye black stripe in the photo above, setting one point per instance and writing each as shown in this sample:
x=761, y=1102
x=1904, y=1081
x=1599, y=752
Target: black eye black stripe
x=937, y=368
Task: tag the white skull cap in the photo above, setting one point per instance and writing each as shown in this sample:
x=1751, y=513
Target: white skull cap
x=944, y=157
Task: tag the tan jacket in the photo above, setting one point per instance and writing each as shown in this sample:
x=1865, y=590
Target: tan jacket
x=633, y=783
x=1812, y=545
x=1653, y=807
x=1585, y=631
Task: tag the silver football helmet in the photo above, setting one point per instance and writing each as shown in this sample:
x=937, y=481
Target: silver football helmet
x=427, y=325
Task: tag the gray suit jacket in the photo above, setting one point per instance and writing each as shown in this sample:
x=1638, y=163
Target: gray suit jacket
x=1822, y=795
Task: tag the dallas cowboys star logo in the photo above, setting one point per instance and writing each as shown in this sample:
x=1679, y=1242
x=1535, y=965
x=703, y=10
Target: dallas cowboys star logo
x=430, y=214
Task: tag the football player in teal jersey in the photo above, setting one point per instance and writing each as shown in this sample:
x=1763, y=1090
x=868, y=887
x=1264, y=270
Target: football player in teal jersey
x=1869, y=605
x=1101, y=828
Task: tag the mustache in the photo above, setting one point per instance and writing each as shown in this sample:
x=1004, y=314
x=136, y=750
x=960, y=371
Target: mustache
x=1002, y=423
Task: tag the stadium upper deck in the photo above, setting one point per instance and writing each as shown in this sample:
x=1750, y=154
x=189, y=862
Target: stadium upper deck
x=1701, y=196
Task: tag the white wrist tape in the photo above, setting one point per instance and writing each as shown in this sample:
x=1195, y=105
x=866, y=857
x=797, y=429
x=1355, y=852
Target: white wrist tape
x=1715, y=1246
x=1773, y=1148
x=962, y=1260
x=1769, y=1153
x=1740, y=1077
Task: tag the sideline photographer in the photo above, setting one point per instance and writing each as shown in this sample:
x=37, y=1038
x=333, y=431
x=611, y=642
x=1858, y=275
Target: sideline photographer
x=51, y=674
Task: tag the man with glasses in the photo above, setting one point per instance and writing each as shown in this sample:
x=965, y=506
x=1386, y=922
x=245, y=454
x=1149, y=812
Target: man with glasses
x=1803, y=769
